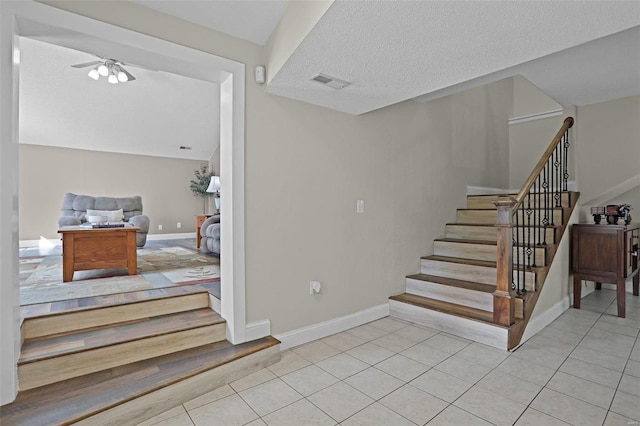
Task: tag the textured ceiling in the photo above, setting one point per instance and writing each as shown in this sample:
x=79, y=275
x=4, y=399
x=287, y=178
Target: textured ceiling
x=392, y=51
x=246, y=19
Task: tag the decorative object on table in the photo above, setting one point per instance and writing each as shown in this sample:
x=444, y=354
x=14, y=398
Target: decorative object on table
x=612, y=212
x=214, y=188
x=200, y=184
x=76, y=210
x=97, y=220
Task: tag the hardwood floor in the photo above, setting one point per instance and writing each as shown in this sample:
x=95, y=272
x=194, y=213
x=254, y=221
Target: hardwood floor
x=119, y=359
x=78, y=398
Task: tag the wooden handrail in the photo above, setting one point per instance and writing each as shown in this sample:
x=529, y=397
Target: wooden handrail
x=568, y=122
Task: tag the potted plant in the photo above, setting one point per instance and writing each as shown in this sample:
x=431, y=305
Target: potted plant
x=200, y=183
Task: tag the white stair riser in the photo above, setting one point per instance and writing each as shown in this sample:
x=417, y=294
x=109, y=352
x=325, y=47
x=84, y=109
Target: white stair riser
x=52, y=370
x=460, y=296
x=484, y=201
x=479, y=252
x=488, y=217
x=489, y=233
x=466, y=272
x=481, y=332
x=79, y=320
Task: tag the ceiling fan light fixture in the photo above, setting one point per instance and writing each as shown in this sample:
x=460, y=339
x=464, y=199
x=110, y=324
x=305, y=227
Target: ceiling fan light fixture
x=94, y=74
x=122, y=76
x=110, y=68
x=103, y=70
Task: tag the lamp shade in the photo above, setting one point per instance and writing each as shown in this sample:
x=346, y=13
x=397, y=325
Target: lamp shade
x=214, y=185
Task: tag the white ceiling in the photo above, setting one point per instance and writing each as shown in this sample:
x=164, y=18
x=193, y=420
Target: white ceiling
x=61, y=106
x=392, y=51
x=246, y=19
x=578, y=52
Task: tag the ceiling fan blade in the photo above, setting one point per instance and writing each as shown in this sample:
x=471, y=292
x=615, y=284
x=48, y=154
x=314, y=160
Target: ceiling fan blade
x=128, y=74
x=86, y=64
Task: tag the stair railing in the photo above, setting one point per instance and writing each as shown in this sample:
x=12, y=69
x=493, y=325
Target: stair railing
x=522, y=223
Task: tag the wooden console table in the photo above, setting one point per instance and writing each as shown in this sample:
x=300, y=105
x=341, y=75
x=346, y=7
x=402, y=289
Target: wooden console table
x=605, y=254
x=102, y=248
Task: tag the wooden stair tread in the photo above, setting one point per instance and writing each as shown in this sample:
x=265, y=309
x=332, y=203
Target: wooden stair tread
x=494, y=209
x=494, y=226
x=466, y=241
x=482, y=242
x=446, y=307
x=98, y=302
x=485, y=263
x=469, y=285
x=47, y=347
x=78, y=398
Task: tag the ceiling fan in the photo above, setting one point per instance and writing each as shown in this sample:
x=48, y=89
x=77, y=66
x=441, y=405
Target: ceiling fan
x=111, y=68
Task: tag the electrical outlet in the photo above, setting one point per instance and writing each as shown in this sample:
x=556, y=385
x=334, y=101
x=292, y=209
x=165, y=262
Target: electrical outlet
x=159, y=227
x=179, y=225
x=360, y=206
x=314, y=287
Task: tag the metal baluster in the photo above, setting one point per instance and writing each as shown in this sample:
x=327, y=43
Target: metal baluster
x=529, y=212
x=516, y=284
x=558, y=164
x=545, y=186
x=566, y=159
x=522, y=246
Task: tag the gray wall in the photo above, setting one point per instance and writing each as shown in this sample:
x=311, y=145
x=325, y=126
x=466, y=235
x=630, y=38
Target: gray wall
x=47, y=173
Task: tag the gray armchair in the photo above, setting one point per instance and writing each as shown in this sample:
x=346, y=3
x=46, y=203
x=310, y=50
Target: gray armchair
x=210, y=235
x=74, y=211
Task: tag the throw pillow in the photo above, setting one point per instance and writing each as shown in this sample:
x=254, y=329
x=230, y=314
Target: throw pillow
x=112, y=215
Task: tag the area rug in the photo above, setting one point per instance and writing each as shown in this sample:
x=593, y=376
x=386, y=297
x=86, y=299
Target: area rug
x=41, y=276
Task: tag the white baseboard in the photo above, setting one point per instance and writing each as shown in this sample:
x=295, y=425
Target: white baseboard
x=547, y=317
x=214, y=303
x=257, y=329
x=50, y=242
x=323, y=329
x=42, y=243
x=544, y=319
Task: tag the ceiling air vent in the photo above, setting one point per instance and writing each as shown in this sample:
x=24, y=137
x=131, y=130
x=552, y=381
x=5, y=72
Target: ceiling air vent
x=334, y=83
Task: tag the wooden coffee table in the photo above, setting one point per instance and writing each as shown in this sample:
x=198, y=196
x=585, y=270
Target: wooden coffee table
x=102, y=248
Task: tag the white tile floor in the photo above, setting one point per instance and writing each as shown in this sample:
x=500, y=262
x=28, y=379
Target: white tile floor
x=583, y=369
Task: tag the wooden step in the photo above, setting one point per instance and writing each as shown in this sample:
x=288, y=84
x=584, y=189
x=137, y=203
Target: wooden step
x=485, y=201
x=77, y=314
x=468, y=293
x=468, y=270
x=488, y=216
x=489, y=232
x=60, y=357
x=482, y=250
x=130, y=394
x=462, y=321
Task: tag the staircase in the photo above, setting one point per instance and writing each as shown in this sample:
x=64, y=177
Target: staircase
x=121, y=359
x=485, y=276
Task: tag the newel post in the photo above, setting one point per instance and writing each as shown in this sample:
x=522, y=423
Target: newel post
x=504, y=296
